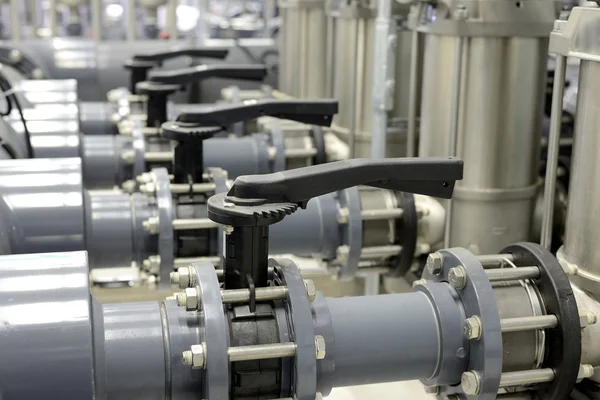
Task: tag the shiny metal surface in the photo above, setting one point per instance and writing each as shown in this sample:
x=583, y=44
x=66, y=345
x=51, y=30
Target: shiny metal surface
x=499, y=125
x=42, y=205
x=302, y=48
x=45, y=326
x=558, y=92
x=583, y=215
x=354, y=37
x=519, y=348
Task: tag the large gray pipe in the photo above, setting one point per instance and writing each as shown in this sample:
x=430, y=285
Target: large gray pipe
x=73, y=347
x=404, y=346
x=41, y=205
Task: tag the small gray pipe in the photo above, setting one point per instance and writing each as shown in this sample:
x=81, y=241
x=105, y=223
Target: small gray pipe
x=95, y=118
x=308, y=232
x=385, y=338
x=104, y=166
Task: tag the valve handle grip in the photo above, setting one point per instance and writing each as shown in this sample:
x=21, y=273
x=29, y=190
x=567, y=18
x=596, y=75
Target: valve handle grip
x=314, y=112
x=430, y=176
x=258, y=200
x=183, y=76
x=160, y=56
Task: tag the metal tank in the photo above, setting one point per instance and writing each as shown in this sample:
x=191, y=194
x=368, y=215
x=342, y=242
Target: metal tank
x=482, y=98
x=577, y=37
x=354, y=66
x=303, y=48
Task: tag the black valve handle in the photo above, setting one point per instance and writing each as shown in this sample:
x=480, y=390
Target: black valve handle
x=256, y=201
x=313, y=112
x=161, y=56
x=140, y=64
x=183, y=76
x=163, y=84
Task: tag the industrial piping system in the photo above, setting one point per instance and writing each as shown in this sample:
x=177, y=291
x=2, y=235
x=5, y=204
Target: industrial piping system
x=256, y=326
x=482, y=97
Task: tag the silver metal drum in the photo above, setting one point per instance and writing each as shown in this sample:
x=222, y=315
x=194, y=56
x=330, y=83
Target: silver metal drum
x=353, y=68
x=486, y=107
x=580, y=253
x=303, y=48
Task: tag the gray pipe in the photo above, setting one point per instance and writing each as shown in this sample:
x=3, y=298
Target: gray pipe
x=95, y=118
x=308, y=232
x=403, y=346
x=41, y=205
x=46, y=328
x=104, y=166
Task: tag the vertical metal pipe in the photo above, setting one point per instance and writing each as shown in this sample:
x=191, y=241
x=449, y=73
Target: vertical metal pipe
x=381, y=71
x=413, y=96
x=15, y=25
x=453, y=140
x=52, y=13
x=354, y=89
x=171, y=19
x=35, y=17
x=558, y=91
x=130, y=21
x=329, y=61
x=97, y=11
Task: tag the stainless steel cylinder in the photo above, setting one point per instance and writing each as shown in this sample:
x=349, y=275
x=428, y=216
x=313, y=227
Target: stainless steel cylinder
x=583, y=226
x=302, y=48
x=500, y=111
x=353, y=69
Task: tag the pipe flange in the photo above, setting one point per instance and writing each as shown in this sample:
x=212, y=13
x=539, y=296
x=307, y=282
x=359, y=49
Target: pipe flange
x=21, y=62
x=277, y=140
x=216, y=332
x=319, y=139
x=453, y=358
x=304, y=376
x=139, y=148
x=239, y=128
x=352, y=233
x=324, y=327
x=166, y=249
x=563, y=343
x=285, y=335
x=218, y=176
x=406, y=234
x=478, y=299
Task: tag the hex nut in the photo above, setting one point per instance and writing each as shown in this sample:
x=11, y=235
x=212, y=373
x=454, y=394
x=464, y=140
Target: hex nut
x=191, y=299
x=187, y=357
x=180, y=298
x=587, y=318
x=311, y=289
x=432, y=390
x=419, y=282
x=435, y=263
x=151, y=225
x=185, y=277
x=320, y=347
x=175, y=278
x=470, y=382
x=343, y=215
x=472, y=328
x=198, y=356
x=457, y=277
